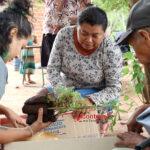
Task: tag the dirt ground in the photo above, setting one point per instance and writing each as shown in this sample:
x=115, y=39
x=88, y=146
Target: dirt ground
x=16, y=94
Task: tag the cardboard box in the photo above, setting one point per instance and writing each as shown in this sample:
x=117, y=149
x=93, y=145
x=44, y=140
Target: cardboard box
x=67, y=127
x=106, y=143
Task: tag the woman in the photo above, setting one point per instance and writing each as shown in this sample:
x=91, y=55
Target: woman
x=87, y=59
x=14, y=32
x=83, y=58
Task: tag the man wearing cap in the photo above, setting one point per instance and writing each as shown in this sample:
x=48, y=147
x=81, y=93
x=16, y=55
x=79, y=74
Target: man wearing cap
x=138, y=36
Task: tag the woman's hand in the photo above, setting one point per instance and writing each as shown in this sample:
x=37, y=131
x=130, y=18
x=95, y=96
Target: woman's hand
x=39, y=124
x=78, y=114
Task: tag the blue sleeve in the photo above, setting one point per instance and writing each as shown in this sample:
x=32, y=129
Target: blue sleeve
x=3, y=78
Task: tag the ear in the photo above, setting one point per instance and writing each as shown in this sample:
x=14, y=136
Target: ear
x=144, y=34
x=13, y=32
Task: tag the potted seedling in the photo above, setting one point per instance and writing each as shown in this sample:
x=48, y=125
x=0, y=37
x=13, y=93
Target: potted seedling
x=67, y=100
x=61, y=101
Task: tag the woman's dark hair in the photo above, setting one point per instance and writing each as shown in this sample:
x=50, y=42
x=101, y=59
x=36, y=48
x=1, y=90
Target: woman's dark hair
x=14, y=16
x=93, y=15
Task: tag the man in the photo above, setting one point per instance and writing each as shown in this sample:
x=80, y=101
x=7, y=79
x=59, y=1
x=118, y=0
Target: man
x=138, y=36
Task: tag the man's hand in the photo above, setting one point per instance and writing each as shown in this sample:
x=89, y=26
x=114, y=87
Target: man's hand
x=129, y=139
x=132, y=124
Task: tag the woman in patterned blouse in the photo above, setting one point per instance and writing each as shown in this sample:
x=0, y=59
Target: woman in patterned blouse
x=84, y=58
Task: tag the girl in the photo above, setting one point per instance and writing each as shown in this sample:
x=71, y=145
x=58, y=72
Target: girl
x=14, y=32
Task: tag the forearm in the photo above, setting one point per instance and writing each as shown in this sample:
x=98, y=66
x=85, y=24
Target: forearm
x=54, y=77
x=106, y=95
x=138, y=111
x=141, y=108
x=112, y=67
x=13, y=134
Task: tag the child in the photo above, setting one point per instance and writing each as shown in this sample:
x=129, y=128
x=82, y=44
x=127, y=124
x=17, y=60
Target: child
x=27, y=63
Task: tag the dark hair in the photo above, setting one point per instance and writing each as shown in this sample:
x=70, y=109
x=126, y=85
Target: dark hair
x=93, y=15
x=14, y=16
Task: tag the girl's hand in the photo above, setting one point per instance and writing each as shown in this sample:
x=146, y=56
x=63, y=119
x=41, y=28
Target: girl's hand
x=15, y=119
x=39, y=124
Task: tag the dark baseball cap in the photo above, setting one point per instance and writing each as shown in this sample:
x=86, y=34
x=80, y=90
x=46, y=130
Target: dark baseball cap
x=139, y=17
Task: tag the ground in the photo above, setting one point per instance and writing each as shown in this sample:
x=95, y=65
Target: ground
x=16, y=94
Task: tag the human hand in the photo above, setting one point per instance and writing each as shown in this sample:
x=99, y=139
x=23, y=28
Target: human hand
x=56, y=28
x=129, y=139
x=132, y=124
x=39, y=124
x=33, y=104
x=15, y=119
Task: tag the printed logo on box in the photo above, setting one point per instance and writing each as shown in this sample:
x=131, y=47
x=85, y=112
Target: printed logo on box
x=56, y=127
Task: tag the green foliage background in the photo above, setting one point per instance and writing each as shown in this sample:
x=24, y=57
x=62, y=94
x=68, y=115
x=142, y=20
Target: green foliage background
x=117, y=12
x=110, y=5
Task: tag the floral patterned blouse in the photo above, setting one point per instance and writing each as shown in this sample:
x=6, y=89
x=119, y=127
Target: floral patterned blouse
x=101, y=69
x=57, y=12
